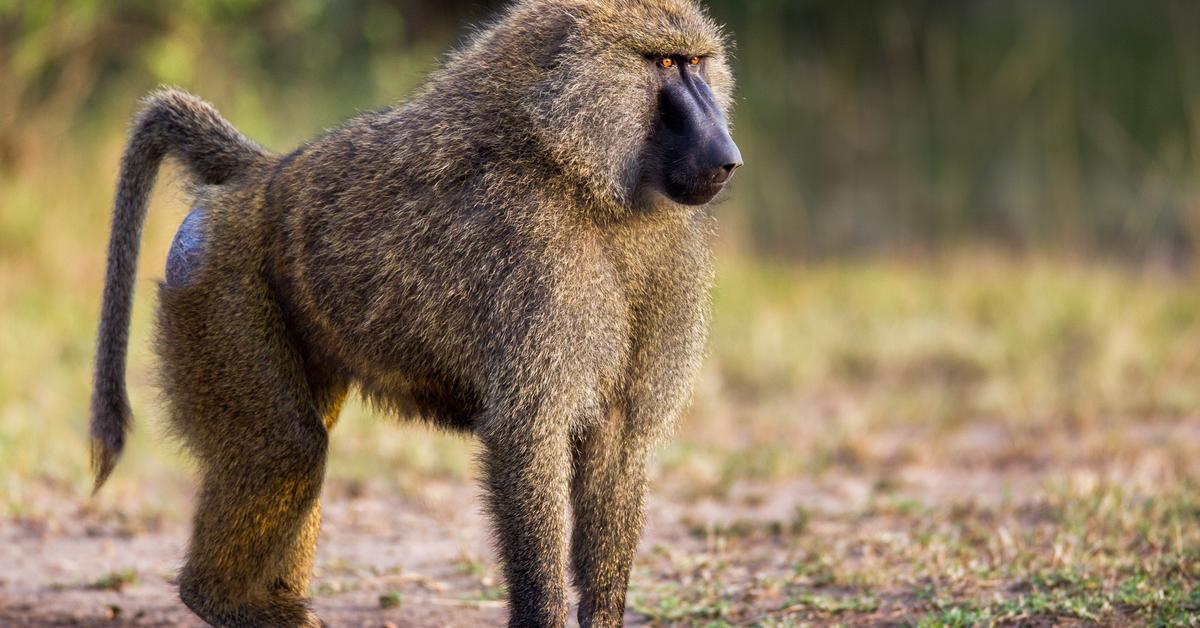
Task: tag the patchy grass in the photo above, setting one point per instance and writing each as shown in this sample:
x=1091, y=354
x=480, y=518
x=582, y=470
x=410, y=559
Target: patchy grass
x=1087, y=553
x=115, y=581
x=391, y=599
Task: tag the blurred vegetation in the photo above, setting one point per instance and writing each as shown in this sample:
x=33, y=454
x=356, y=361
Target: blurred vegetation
x=1030, y=123
x=873, y=126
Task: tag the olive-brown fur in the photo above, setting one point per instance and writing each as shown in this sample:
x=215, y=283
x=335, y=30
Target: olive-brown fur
x=483, y=257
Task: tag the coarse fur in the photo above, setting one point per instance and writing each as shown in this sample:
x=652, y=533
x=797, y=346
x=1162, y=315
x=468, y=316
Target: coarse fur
x=489, y=257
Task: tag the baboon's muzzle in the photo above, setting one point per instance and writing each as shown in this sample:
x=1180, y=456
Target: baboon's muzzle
x=698, y=154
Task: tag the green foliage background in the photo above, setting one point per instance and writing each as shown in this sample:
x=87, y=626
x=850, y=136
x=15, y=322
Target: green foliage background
x=868, y=126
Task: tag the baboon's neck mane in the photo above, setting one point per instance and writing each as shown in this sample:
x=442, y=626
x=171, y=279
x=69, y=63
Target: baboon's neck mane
x=560, y=89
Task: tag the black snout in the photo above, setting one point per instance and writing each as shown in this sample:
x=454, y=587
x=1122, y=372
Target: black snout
x=726, y=154
x=697, y=154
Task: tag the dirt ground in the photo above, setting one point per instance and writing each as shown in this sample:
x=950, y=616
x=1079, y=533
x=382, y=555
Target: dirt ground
x=54, y=568
x=433, y=551
x=80, y=567
x=83, y=567
x=1006, y=538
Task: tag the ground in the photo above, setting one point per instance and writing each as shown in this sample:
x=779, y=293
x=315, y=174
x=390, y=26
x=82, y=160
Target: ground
x=976, y=534
x=973, y=441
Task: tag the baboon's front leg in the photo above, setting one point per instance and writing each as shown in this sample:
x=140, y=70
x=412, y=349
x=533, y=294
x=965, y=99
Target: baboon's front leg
x=527, y=468
x=608, y=493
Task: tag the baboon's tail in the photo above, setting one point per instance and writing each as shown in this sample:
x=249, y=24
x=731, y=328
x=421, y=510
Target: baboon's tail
x=169, y=123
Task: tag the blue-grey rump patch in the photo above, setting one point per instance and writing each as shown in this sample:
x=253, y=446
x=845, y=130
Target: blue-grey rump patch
x=187, y=250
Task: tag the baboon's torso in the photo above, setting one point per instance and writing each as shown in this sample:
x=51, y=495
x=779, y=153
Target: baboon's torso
x=420, y=299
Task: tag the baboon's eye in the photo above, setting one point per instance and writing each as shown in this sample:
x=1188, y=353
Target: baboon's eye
x=666, y=63
x=694, y=61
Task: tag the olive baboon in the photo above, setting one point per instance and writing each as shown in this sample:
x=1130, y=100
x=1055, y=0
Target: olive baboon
x=518, y=252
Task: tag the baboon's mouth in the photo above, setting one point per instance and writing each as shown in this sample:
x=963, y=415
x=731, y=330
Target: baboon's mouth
x=695, y=194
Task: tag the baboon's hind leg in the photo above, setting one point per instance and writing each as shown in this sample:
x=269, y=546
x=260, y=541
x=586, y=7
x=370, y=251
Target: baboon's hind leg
x=242, y=404
x=297, y=565
x=252, y=547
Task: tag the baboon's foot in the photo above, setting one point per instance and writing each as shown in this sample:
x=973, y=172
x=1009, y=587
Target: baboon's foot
x=609, y=619
x=546, y=614
x=278, y=608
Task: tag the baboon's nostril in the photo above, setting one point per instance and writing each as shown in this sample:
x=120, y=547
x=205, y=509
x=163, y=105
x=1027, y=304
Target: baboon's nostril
x=724, y=157
x=724, y=173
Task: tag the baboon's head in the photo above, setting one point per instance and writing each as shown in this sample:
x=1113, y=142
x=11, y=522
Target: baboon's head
x=630, y=97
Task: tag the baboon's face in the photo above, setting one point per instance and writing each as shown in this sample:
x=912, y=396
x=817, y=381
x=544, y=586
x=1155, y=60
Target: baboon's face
x=630, y=96
x=691, y=156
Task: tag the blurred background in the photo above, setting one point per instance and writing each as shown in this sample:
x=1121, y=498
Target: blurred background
x=874, y=128
x=957, y=294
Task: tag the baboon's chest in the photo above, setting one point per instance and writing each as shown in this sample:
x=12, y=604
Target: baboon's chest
x=665, y=273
